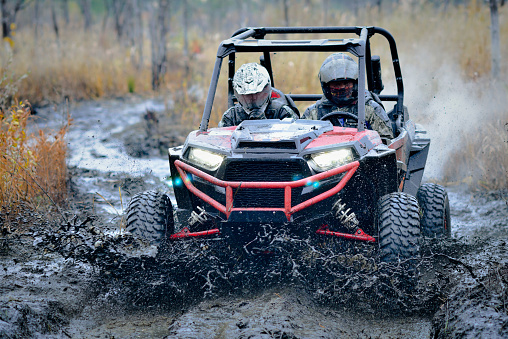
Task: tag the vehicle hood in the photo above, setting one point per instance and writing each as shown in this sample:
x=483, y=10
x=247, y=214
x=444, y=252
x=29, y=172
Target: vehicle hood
x=275, y=136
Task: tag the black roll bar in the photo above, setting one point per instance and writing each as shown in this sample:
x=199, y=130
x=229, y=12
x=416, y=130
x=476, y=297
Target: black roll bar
x=361, y=49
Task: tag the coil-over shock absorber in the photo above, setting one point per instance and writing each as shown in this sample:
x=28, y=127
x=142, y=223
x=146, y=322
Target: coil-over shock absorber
x=344, y=216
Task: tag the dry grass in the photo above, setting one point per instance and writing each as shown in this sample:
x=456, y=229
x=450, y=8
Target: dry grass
x=482, y=160
x=32, y=169
x=78, y=66
x=431, y=42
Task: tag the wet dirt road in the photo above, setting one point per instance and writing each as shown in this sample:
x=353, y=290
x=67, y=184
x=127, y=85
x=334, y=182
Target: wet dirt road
x=44, y=295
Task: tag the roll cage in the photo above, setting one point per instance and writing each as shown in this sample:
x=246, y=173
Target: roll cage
x=247, y=40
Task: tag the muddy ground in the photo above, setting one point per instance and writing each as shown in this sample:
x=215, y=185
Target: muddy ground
x=79, y=276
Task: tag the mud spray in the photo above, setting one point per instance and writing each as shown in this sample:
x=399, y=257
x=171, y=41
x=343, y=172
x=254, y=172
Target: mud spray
x=204, y=288
x=450, y=107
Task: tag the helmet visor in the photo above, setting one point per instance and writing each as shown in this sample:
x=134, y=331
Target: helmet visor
x=341, y=92
x=255, y=100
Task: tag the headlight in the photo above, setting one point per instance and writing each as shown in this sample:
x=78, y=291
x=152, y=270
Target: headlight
x=324, y=161
x=206, y=159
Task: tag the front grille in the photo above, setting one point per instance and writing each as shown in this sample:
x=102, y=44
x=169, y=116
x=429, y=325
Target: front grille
x=263, y=171
x=267, y=144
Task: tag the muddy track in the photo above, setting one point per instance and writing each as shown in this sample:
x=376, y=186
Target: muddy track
x=83, y=278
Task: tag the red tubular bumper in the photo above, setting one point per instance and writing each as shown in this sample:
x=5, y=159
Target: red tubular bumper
x=288, y=210
x=358, y=235
x=185, y=233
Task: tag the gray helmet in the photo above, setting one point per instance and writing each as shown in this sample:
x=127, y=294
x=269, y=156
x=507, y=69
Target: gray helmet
x=252, y=87
x=339, y=67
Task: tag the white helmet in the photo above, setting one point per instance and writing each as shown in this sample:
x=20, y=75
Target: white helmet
x=252, y=87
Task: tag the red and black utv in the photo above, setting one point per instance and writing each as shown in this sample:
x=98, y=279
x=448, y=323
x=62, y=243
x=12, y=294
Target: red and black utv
x=312, y=178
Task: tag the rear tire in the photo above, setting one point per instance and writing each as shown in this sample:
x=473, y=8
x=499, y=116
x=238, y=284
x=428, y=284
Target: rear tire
x=150, y=217
x=435, y=210
x=398, y=222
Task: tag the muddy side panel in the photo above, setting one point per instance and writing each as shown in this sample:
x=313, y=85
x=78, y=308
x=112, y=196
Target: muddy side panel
x=382, y=164
x=417, y=161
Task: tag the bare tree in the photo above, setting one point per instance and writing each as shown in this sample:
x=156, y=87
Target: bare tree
x=285, y=4
x=245, y=11
x=118, y=9
x=186, y=53
x=159, y=29
x=107, y=6
x=135, y=32
x=325, y=4
x=494, y=34
x=65, y=11
x=10, y=9
x=54, y=18
x=87, y=13
x=36, y=19
x=186, y=29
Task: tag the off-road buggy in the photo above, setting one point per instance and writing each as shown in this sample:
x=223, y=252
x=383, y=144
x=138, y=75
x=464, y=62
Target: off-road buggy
x=314, y=179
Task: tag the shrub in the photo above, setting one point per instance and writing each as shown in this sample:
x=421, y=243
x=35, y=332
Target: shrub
x=32, y=169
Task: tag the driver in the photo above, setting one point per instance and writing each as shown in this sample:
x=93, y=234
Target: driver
x=253, y=90
x=339, y=80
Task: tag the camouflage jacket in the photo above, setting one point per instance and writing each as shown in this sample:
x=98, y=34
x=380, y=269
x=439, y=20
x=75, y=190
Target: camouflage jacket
x=375, y=115
x=275, y=110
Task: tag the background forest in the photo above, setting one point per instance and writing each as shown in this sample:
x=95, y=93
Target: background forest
x=59, y=50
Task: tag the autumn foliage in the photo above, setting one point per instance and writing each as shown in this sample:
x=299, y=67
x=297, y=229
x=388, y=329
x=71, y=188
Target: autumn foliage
x=32, y=168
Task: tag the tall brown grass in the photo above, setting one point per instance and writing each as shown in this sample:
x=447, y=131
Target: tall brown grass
x=32, y=169
x=430, y=39
x=482, y=159
x=77, y=66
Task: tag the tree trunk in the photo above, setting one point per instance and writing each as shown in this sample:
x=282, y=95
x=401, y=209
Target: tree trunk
x=6, y=27
x=141, y=59
x=186, y=28
x=495, y=44
x=87, y=14
x=136, y=33
x=36, y=20
x=107, y=6
x=159, y=28
x=65, y=11
x=128, y=23
x=286, y=12
x=325, y=4
x=118, y=7
x=54, y=19
x=9, y=9
x=186, y=36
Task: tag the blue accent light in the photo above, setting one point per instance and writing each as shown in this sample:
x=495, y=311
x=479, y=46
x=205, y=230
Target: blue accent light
x=315, y=184
x=178, y=182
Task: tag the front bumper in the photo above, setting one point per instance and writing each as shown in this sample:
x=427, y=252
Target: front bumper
x=232, y=188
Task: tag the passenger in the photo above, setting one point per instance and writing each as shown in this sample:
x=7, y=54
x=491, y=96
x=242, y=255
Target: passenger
x=253, y=90
x=339, y=80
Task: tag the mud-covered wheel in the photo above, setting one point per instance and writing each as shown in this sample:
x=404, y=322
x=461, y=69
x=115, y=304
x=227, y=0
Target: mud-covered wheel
x=398, y=222
x=435, y=211
x=150, y=216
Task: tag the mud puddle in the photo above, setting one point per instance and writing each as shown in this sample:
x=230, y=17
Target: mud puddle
x=85, y=279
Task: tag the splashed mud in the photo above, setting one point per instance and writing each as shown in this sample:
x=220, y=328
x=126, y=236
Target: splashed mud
x=85, y=278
